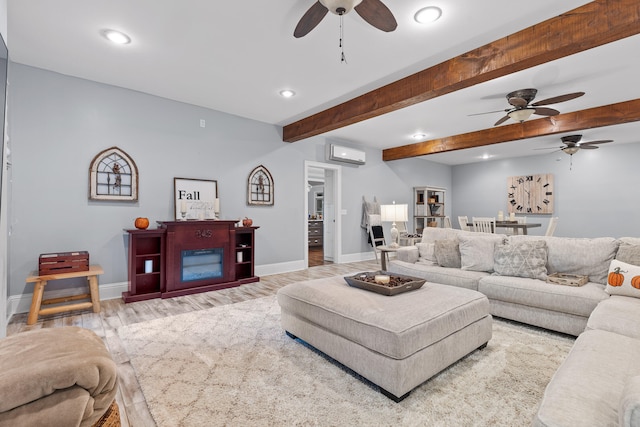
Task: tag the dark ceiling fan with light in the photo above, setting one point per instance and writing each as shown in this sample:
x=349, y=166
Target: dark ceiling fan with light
x=372, y=11
x=521, y=107
x=572, y=145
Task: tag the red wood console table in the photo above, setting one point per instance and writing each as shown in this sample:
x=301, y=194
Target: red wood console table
x=186, y=257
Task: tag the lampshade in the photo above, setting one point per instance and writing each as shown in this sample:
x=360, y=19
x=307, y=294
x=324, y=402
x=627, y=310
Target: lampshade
x=394, y=213
x=521, y=115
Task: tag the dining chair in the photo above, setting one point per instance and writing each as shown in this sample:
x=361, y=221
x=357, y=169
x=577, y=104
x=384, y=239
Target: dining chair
x=446, y=222
x=463, y=220
x=551, y=228
x=376, y=234
x=484, y=224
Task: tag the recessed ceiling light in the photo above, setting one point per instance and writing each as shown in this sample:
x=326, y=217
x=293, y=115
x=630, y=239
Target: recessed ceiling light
x=418, y=136
x=287, y=93
x=428, y=14
x=486, y=156
x=116, y=36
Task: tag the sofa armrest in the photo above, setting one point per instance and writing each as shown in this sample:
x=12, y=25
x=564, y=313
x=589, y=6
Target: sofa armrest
x=408, y=254
x=629, y=411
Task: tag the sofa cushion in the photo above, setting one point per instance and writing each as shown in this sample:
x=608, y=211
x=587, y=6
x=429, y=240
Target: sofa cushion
x=522, y=259
x=617, y=314
x=431, y=234
x=427, y=253
x=447, y=253
x=579, y=301
x=620, y=277
x=434, y=273
x=629, y=253
x=476, y=252
x=408, y=253
x=588, y=387
x=629, y=412
x=584, y=256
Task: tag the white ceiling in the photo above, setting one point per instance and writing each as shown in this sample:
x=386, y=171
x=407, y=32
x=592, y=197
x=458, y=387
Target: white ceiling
x=235, y=57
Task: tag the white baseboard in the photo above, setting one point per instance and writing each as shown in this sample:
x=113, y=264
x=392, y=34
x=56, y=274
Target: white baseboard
x=22, y=303
x=362, y=256
x=283, y=267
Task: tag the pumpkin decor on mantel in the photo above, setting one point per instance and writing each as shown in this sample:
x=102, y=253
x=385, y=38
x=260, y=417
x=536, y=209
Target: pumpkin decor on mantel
x=247, y=222
x=616, y=278
x=141, y=223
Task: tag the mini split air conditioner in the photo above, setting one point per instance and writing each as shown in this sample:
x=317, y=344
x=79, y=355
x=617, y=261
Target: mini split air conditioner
x=340, y=153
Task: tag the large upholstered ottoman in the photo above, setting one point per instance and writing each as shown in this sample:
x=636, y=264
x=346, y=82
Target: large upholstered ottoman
x=397, y=342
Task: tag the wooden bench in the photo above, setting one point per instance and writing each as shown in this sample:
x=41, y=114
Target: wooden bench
x=38, y=292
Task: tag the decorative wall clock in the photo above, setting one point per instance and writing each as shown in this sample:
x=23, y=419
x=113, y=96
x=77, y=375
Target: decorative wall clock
x=530, y=194
x=260, y=187
x=113, y=175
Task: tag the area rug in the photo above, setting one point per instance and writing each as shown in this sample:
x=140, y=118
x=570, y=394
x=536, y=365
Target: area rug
x=233, y=365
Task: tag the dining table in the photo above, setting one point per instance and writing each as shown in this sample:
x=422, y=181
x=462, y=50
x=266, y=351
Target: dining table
x=513, y=224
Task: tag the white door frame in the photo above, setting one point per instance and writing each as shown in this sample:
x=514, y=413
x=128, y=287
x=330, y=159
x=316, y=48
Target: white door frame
x=337, y=207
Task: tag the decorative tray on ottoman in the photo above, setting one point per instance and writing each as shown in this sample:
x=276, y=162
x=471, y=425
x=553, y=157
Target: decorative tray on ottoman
x=397, y=283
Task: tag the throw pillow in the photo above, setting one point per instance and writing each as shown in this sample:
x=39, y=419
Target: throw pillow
x=629, y=253
x=447, y=253
x=427, y=253
x=523, y=259
x=476, y=252
x=623, y=279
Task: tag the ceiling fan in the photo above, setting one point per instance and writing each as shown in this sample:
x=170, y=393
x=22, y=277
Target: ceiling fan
x=572, y=144
x=372, y=11
x=522, y=109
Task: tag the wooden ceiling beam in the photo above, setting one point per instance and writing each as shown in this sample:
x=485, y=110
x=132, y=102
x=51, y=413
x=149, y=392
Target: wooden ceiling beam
x=594, y=24
x=608, y=115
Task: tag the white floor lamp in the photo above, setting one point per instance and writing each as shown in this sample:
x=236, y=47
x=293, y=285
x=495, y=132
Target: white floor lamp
x=394, y=213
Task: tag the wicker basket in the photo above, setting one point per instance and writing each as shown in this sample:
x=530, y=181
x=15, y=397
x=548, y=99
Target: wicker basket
x=111, y=418
x=567, y=279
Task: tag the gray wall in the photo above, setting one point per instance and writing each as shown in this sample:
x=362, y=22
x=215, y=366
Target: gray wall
x=598, y=197
x=59, y=123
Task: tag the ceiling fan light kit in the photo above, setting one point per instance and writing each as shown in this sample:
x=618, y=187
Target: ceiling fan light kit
x=521, y=115
x=521, y=107
x=340, y=7
x=571, y=150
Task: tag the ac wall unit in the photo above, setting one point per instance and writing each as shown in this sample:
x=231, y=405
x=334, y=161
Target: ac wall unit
x=341, y=153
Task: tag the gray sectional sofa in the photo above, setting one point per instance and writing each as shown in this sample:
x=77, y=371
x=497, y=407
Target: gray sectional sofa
x=599, y=382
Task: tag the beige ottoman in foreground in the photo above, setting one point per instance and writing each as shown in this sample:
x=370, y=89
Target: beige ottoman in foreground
x=397, y=342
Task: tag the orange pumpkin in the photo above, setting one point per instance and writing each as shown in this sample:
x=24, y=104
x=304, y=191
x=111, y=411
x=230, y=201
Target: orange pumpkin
x=247, y=222
x=616, y=278
x=141, y=223
x=635, y=282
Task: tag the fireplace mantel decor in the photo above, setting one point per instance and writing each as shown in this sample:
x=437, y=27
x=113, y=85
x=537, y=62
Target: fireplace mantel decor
x=195, y=198
x=189, y=257
x=260, y=187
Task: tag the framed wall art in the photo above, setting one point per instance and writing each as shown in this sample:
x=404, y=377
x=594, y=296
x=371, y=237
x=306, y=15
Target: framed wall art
x=530, y=194
x=195, y=198
x=260, y=187
x=113, y=175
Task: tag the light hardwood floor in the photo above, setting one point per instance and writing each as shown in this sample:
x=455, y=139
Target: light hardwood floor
x=115, y=313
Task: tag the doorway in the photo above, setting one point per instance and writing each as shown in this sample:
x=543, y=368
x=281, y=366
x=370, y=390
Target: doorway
x=322, y=206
